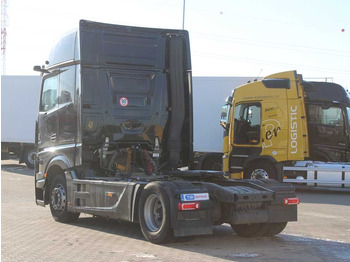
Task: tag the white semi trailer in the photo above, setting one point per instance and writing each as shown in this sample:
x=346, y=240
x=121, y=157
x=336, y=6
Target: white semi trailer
x=208, y=96
x=19, y=111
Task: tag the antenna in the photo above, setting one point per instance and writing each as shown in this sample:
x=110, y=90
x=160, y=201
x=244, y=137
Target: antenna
x=256, y=79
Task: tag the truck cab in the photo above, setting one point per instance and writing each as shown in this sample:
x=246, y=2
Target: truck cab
x=98, y=92
x=282, y=119
x=328, y=118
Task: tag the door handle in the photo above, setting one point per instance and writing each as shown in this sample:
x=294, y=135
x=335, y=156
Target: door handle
x=341, y=144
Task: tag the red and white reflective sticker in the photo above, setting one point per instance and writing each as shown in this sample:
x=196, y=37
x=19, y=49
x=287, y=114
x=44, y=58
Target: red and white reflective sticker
x=123, y=101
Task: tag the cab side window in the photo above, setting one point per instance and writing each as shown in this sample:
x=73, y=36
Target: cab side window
x=247, y=123
x=331, y=116
x=67, y=86
x=326, y=128
x=49, y=94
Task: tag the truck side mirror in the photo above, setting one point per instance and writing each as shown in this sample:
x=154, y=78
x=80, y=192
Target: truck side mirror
x=228, y=100
x=225, y=110
x=40, y=69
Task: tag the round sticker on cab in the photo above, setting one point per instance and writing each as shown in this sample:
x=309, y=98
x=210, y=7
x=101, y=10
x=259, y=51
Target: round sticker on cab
x=123, y=101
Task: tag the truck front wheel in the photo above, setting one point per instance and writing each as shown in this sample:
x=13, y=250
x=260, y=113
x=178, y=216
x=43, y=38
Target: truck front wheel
x=250, y=230
x=154, y=214
x=260, y=170
x=58, y=201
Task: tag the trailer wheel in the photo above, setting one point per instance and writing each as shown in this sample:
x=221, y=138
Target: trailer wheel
x=250, y=230
x=154, y=214
x=260, y=170
x=275, y=228
x=58, y=201
x=29, y=157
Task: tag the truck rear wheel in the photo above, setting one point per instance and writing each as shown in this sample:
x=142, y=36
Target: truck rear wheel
x=275, y=228
x=260, y=170
x=154, y=214
x=250, y=230
x=58, y=201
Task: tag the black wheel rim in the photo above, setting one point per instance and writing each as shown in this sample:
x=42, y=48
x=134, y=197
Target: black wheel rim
x=31, y=157
x=58, y=198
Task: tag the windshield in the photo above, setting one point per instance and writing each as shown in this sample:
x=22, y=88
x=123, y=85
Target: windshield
x=348, y=113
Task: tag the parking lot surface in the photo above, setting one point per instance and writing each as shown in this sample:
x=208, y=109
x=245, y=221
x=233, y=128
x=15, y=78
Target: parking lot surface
x=29, y=233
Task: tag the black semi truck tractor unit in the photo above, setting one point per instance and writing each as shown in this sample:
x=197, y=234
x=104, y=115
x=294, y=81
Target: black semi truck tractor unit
x=114, y=137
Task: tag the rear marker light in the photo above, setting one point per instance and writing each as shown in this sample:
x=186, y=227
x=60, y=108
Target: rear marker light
x=291, y=201
x=189, y=206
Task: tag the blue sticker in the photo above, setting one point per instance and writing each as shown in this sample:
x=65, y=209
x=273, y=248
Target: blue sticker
x=194, y=197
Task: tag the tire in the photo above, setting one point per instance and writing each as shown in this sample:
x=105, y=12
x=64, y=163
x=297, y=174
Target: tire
x=212, y=163
x=29, y=157
x=275, y=228
x=58, y=203
x=260, y=170
x=154, y=214
x=250, y=230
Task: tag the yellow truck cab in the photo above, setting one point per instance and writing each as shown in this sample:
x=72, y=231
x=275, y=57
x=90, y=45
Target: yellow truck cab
x=280, y=120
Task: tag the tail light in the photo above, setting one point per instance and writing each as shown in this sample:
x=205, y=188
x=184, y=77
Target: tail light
x=189, y=206
x=291, y=201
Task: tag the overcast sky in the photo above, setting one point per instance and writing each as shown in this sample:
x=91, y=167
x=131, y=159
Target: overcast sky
x=228, y=37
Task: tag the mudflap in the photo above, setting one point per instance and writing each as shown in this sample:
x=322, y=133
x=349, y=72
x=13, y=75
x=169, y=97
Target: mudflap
x=189, y=222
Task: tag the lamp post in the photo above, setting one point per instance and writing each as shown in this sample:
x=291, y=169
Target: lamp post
x=183, y=15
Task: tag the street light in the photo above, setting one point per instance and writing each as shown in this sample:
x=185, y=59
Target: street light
x=183, y=15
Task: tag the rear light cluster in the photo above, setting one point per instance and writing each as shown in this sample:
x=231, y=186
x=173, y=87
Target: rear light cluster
x=188, y=206
x=291, y=201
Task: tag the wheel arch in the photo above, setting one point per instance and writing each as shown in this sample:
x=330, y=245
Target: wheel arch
x=277, y=166
x=254, y=160
x=58, y=165
x=208, y=156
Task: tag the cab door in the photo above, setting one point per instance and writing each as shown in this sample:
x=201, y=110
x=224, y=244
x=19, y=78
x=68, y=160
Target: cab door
x=246, y=134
